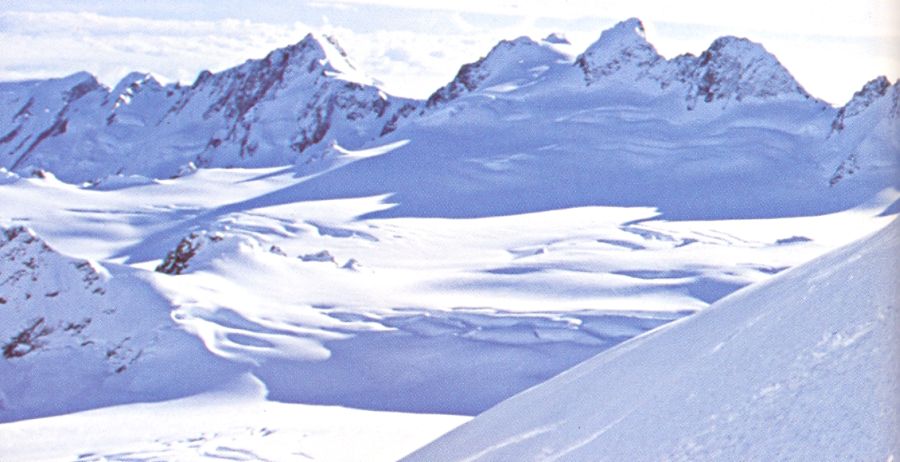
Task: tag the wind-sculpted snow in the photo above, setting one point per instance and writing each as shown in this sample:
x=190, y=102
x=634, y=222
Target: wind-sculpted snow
x=802, y=367
x=308, y=289
x=118, y=333
x=77, y=335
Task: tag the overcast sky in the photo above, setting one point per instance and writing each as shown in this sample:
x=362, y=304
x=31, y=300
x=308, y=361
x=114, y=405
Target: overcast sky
x=413, y=47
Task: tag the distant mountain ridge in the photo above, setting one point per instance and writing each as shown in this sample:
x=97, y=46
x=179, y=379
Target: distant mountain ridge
x=261, y=113
x=297, y=101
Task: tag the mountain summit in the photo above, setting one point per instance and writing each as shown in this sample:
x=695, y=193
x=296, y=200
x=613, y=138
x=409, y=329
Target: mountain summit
x=731, y=69
x=622, y=50
x=736, y=68
x=296, y=103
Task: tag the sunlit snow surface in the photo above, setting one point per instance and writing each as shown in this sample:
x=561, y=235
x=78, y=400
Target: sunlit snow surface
x=232, y=424
x=801, y=367
x=438, y=316
x=408, y=260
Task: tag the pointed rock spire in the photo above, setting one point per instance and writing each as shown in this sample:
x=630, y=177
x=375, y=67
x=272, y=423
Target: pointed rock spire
x=623, y=47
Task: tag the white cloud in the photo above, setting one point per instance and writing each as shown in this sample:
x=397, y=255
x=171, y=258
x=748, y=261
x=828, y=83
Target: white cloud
x=863, y=17
x=831, y=47
x=41, y=45
x=51, y=44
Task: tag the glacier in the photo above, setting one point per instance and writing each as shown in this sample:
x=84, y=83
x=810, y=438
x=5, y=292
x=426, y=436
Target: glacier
x=583, y=248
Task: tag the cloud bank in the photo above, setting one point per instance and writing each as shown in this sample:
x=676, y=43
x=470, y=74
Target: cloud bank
x=413, y=48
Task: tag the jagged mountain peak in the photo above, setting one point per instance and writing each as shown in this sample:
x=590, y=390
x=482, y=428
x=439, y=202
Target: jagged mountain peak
x=131, y=84
x=732, y=68
x=304, y=66
x=623, y=46
x=262, y=112
x=625, y=33
x=269, y=111
x=736, y=46
x=508, y=61
x=872, y=91
x=136, y=77
x=870, y=115
x=325, y=53
x=737, y=68
x=313, y=55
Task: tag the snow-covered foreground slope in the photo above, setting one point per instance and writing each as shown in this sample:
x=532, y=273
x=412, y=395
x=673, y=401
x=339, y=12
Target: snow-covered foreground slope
x=801, y=367
x=232, y=423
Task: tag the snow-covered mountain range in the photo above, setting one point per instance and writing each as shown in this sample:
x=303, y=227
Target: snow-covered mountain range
x=292, y=105
x=262, y=113
x=285, y=235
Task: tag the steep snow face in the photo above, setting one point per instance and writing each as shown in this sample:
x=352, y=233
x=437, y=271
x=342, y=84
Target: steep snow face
x=508, y=66
x=782, y=371
x=263, y=112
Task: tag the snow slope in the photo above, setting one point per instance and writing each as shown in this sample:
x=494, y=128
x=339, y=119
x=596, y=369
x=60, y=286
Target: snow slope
x=231, y=423
x=77, y=335
x=801, y=367
x=505, y=302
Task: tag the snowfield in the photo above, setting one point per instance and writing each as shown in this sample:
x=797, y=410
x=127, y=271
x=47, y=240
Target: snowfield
x=234, y=423
x=281, y=262
x=801, y=367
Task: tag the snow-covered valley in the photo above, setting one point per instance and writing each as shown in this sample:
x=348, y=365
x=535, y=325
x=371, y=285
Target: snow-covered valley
x=281, y=262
